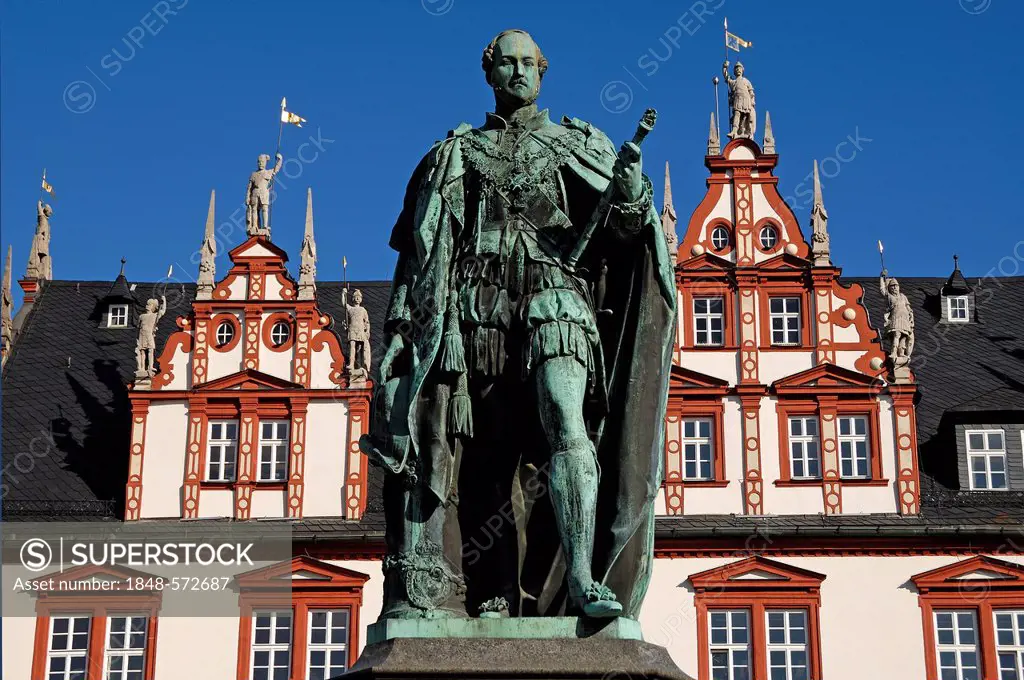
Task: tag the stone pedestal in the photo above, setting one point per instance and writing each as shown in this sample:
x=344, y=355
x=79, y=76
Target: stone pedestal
x=534, y=648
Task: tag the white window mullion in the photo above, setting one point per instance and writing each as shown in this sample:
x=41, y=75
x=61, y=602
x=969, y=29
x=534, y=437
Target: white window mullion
x=68, y=647
x=854, y=450
x=698, y=449
x=709, y=321
x=804, y=448
x=786, y=322
x=1009, y=625
x=273, y=459
x=986, y=460
x=221, y=450
x=126, y=647
x=729, y=640
x=327, y=643
x=956, y=644
x=270, y=658
x=787, y=644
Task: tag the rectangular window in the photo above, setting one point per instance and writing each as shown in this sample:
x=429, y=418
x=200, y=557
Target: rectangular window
x=327, y=648
x=986, y=459
x=271, y=645
x=697, y=449
x=957, y=308
x=273, y=451
x=784, y=313
x=787, y=645
x=956, y=642
x=126, y=647
x=804, y=448
x=222, y=451
x=69, y=647
x=1010, y=644
x=730, y=644
x=117, y=316
x=854, y=456
x=709, y=321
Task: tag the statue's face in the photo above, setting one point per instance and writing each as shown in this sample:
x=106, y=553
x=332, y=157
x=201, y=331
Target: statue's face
x=738, y=70
x=151, y=305
x=894, y=287
x=47, y=210
x=515, y=75
x=261, y=163
x=358, y=297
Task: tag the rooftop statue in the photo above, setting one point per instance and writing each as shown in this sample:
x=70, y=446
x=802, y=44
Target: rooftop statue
x=145, y=348
x=257, y=197
x=898, y=322
x=511, y=373
x=357, y=332
x=39, y=264
x=741, y=103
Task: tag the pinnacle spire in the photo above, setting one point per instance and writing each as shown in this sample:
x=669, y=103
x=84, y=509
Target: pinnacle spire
x=668, y=218
x=208, y=255
x=768, y=145
x=714, y=148
x=820, y=250
x=6, y=321
x=307, y=263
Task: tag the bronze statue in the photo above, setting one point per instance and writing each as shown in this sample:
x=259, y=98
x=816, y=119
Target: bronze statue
x=499, y=379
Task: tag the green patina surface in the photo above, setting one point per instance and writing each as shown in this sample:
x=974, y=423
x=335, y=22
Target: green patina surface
x=552, y=627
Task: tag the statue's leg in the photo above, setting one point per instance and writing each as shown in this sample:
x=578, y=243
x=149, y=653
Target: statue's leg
x=351, y=355
x=365, y=354
x=561, y=391
x=735, y=124
x=265, y=213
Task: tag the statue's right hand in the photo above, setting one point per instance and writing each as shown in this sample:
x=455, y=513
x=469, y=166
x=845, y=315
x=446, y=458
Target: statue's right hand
x=395, y=347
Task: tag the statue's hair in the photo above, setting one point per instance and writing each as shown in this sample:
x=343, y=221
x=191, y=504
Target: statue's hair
x=488, y=57
x=263, y=157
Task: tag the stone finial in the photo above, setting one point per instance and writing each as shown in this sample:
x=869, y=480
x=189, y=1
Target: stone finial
x=307, y=263
x=6, y=320
x=768, y=145
x=357, y=331
x=208, y=256
x=39, y=266
x=820, y=251
x=714, y=147
x=669, y=219
x=898, y=325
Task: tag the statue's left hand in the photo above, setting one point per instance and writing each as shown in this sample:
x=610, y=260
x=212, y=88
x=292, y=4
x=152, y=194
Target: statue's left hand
x=628, y=172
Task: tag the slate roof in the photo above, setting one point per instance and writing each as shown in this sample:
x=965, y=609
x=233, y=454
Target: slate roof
x=65, y=425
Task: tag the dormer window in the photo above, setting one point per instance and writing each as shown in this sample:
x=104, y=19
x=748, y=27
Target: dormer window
x=958, y=309
x=986, y=460
x=117, y=316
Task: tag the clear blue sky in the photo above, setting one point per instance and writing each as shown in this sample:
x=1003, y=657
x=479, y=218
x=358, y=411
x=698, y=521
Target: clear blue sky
x=931, y=87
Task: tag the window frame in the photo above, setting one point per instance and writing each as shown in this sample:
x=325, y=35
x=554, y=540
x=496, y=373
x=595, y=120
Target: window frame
x=729, y=647
x=68, y=653
x=781, y=289
x=273, y=646
x=987, y=454
x=216, y=322
x=709, y=229
x=803, y=438
x=951, y=588
x=121, y=307
x=785, y=315
x=966, y=299
x=853, y=439
x=699, y=288
x=98, y=607
x=716, y=229
x=791, y=588
x=269, y=322
x=210, y=443
x=869, y=408
x=325, y=586
x=280, y=450
x=709, y=317
x=127, y=651
x=698, y=440
x=327, y=647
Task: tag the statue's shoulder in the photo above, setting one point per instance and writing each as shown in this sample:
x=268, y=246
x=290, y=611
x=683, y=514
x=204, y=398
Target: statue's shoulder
x=591, y=138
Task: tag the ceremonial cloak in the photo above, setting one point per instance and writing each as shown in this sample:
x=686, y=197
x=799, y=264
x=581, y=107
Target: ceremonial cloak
x=408, y=437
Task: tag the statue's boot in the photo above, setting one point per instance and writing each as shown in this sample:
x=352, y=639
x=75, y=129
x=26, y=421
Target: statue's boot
x=574, y=496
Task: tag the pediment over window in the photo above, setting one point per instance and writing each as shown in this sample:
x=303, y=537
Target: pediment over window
x=756, y=573
x=825, y=379
x=258, y=247
x=249, y=380
x=977, y=574
x=301, y=572
x=691, y=381
x=92, y=573
x=784, y=262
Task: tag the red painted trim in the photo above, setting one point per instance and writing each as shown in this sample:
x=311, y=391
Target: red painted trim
x=908, y=486
x=236, y=337
x=355, y=468
x=136, y=451
x=195, y=457
x=691, y=290
x=778, y=289
x=253, y=318
x=695, y=225
x=780, y=234
x=180, y=339
x=753, y=479
x=268, y=326
x=724, y=588
x=331, y=587
x=868, y=407
x=296, y=458
x=326, y=338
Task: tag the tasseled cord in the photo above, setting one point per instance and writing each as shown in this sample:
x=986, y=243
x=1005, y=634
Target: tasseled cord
x=453, y=361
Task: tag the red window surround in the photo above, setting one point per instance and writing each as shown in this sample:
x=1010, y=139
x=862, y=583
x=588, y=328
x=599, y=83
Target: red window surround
x=779, y=289
x=215, y=323
x=98, y=605
x=981, y=584
x=702, y=288
x=844, y=407
x=322, y=586
x=781, y=586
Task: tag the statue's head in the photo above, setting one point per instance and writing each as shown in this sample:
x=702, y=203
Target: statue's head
x=152, y=305
x=514, y=67
x=738, y=69
x=358, y=296
x=261, y=162
x=894, y=286
x=47, y=210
